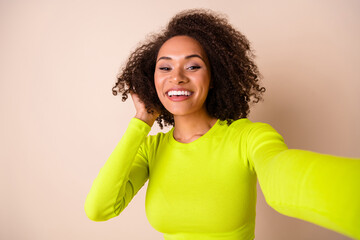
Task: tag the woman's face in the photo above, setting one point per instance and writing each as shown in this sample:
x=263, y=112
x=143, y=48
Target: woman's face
x=182, y=76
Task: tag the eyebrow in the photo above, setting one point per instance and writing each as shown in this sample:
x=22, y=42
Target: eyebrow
x=187, y=57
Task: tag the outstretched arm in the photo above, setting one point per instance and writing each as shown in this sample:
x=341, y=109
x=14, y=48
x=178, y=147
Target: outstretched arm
x=318, y=188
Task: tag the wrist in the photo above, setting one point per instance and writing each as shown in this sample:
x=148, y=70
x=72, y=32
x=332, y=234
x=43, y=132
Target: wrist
x=146, y=117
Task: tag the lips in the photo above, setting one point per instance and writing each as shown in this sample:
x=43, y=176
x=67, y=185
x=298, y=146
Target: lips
x=178, y=94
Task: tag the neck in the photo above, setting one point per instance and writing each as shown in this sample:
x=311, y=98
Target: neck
x=190, y=127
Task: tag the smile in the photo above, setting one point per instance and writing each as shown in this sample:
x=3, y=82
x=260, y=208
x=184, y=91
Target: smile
x=179, y=93
x=178, y=96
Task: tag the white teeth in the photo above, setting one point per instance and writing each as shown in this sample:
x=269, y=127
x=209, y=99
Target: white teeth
x=179, y=93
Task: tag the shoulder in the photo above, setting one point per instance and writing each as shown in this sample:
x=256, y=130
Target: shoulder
x=151, y=142
x=240, y=123
x=245, y=129
x=246, y=125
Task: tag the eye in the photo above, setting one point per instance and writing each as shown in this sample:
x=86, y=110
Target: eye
x=193, y=67
x=164, y=68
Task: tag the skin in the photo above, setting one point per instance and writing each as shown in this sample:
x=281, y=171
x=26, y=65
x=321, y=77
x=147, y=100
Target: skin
x=182, y=63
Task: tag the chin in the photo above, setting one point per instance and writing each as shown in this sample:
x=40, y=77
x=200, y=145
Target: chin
x=177, y=112
x=182, y=108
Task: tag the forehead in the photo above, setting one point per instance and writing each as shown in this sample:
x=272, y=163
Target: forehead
x=181, y=46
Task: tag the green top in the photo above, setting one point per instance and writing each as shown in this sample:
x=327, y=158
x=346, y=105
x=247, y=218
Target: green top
x=206, y=189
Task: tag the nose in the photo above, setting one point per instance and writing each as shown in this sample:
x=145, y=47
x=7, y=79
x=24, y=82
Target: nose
x=178, y=76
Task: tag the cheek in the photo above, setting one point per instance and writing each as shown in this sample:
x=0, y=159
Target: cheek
x=156, y=82
x=203, y=82
x=158, y=86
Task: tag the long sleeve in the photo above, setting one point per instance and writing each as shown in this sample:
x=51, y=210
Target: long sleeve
x=121, y=177
x=318, y=188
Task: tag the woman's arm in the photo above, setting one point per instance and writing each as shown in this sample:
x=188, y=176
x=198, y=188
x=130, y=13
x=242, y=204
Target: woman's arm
x=123, y=174
x=318, y=188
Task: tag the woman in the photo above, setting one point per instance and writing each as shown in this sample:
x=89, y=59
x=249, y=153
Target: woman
x=199, y=76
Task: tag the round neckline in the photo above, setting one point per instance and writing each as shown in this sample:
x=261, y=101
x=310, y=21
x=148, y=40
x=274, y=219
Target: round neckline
x=195, y=142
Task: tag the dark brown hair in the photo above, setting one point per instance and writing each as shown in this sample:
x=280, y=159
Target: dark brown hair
x=234, y=74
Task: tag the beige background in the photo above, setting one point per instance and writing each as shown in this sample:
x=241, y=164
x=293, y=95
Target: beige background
x=60, y=122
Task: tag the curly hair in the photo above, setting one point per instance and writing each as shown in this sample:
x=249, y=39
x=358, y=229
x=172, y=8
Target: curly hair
x=234, y=74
